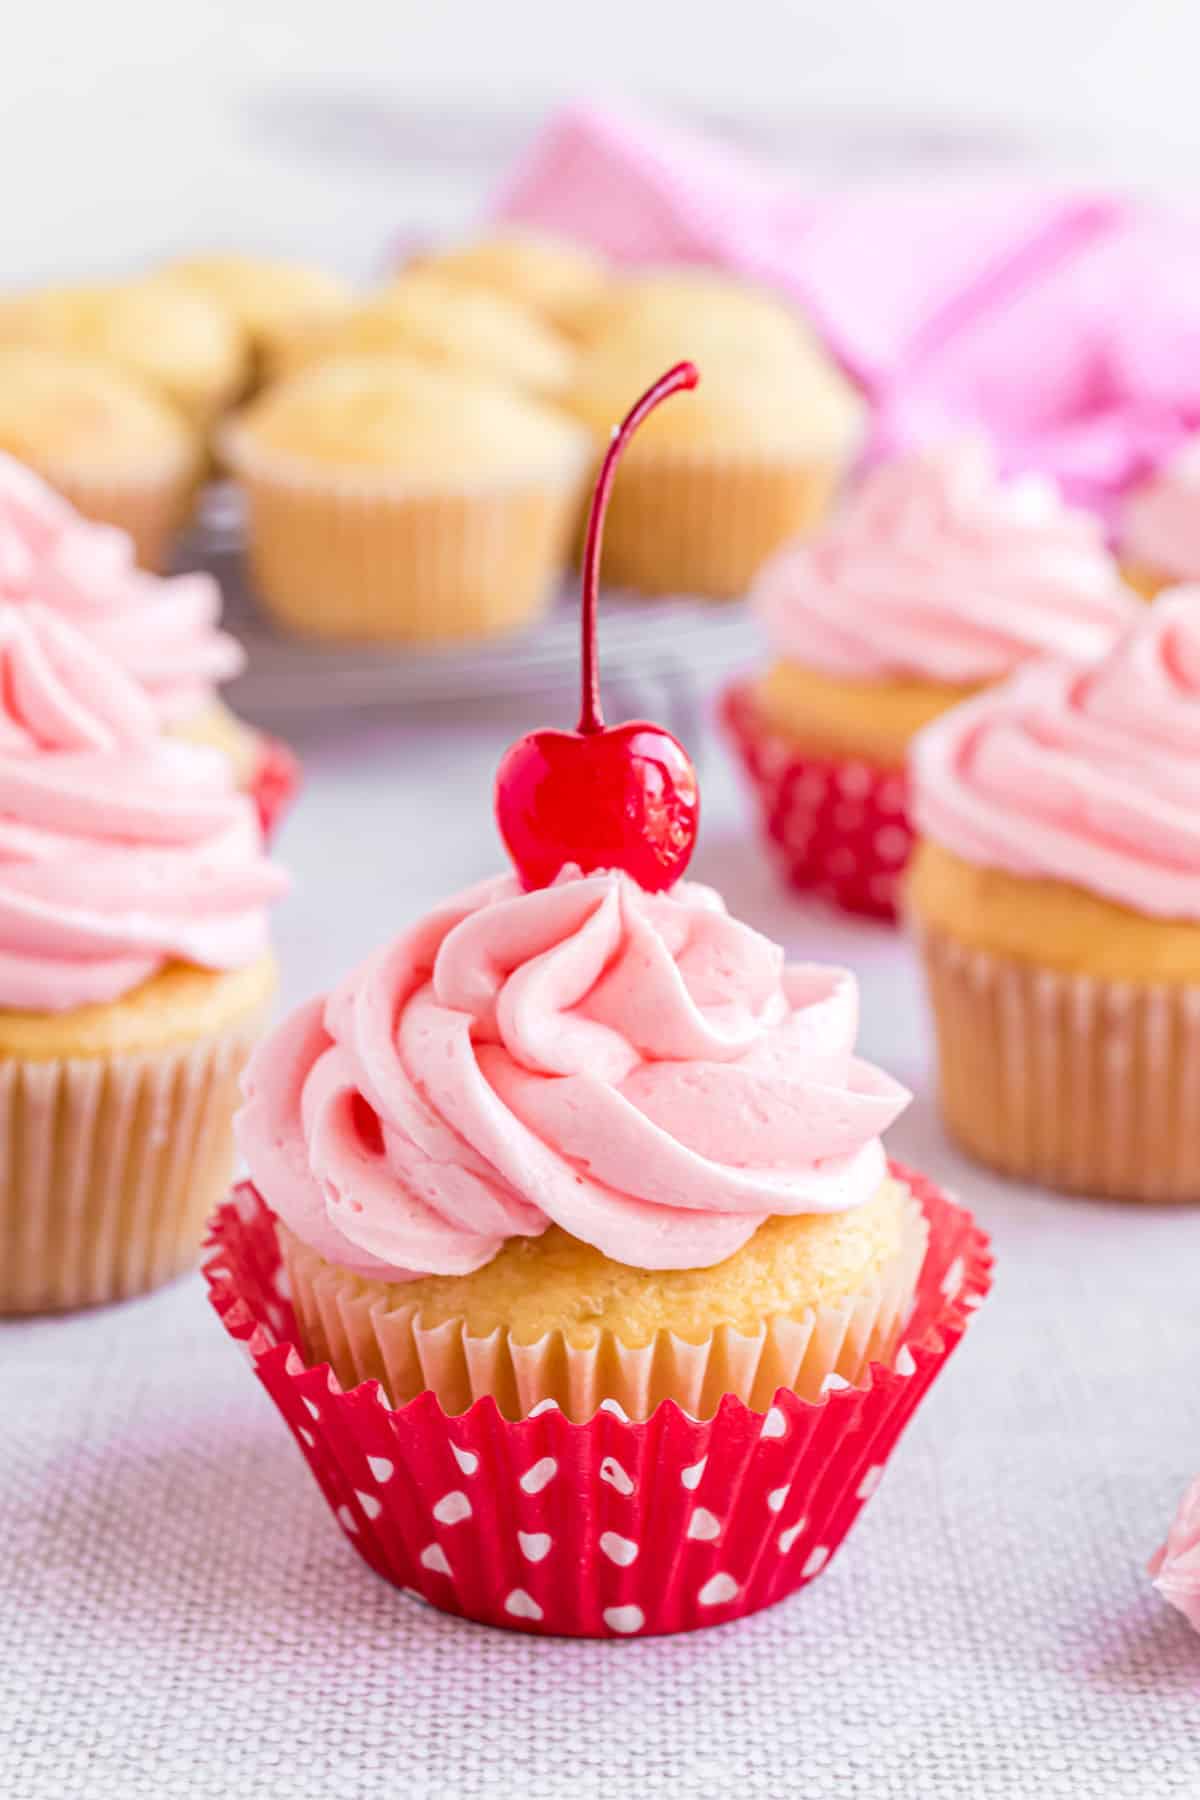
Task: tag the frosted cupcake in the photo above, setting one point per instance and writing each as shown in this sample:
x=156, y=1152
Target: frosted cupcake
x=134, y=975
x=1056, y=899
x=561, y=281
x=392, y=501
x=714, y=485
x=1159, y=527
x=934, y=580
x=445, y=323
x=116, y=451
x=164, y=633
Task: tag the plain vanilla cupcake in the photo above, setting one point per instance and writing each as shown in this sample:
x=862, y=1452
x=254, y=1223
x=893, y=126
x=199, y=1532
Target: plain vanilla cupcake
x=116, y=451
x=443, y=322
x=270, y=297
x=716, y=483
x=164, y=633
x=1159, y=528
x=560, y=280
x=178, y=342
x=134, y=974
x=392, y=500
x=933, y=580
x=1056, y=899
x=510, y=1155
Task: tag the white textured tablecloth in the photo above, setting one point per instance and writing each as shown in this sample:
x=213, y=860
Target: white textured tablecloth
x=180, y=1617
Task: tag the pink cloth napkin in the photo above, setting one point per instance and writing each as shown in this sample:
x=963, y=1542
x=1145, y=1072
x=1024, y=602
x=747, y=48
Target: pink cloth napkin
x=1060, y=323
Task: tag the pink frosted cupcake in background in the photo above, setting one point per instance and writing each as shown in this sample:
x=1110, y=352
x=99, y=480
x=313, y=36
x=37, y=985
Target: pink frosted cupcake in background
x=135, y=973
x=164, y=632
x=934, y=579
x=1159, y=526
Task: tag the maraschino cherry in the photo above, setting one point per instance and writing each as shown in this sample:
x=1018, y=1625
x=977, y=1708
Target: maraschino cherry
x=602, y=796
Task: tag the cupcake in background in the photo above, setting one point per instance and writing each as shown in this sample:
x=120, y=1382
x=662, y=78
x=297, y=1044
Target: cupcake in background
x=1055, y=895
x=271, y=298
x=135, y=973
x=1159, y=527
x=163, y=633
x=393, y=501
x=557, y=279
x=934, y=580
x=715, y=484
x=177, y=342
x=116, y=451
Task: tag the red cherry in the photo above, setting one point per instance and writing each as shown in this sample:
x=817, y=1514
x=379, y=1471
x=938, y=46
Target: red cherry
x=601, y=796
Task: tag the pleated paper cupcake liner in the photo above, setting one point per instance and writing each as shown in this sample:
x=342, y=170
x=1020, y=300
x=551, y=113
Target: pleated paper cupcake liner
x=350, y=1324
x=612, y=1528
x=1084, y=1085
x=110, y=1167
x=390, y=563
x=838, y=827
x=703, y=525
x=273, y=783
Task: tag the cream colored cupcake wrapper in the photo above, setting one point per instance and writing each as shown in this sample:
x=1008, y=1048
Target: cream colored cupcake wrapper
x=686, y=523
x=110, y=1166
x=343, y=1322
x=340, y=555
x=1085, y=1085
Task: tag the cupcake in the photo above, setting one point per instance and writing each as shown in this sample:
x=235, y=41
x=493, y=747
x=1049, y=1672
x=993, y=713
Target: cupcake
x=934, y=580
x=164, y=633
x=583, y=1183
x=119, y=454
x=561, y=281
x=176, y=341
x=1159, y=527
x=393, y=501
x=738, y=468
x=270, y=298
x=134, y=975
x=1055, y=895
x=443, y=322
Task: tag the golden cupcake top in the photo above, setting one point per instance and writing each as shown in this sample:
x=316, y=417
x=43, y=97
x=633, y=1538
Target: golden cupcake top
x=176, y=340
x=71, y=415
x=394, y=415
x=266, y=295
x=768, y=388
x=555, y=277
x=426, y=317
x=693, y=297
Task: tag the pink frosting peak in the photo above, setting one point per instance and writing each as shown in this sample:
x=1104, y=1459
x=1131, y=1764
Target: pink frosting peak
x=1160, y=526
x=935, y=569
x=120, y=850
x=637, y=1068
x=1175, y=1567
x=1081, y=775
x=165, y=633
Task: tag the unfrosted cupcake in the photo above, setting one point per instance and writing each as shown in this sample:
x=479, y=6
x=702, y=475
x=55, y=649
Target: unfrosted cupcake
x=715, y=484
x=116, y=451
x=446, y=323
x=177, y=341
x=1056, y=899
x=164, y=633
x=134, y=974
x=1159, y=527
x=394, y=501
x=270, y=297
x=935, y=579
x=560, y=280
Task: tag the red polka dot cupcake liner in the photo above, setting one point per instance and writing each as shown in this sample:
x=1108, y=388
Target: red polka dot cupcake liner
x=611, y=1528
x=274, y=783
x=838, y=827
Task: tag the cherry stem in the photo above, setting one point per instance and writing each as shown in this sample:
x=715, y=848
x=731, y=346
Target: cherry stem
x=683, y=375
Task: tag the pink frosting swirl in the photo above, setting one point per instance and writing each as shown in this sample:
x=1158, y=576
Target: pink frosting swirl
x=1160, y=526
x=934, y=569
x=1081, y=775
x=640, y=1069
x=120, y=850
x=164, y=633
